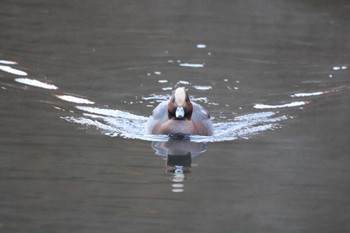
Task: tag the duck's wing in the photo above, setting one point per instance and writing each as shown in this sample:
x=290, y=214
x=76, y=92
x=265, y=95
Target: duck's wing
x=199, y=113
x=161, y=111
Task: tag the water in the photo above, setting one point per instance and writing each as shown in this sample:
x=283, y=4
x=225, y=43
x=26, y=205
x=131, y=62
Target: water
x=78, y=81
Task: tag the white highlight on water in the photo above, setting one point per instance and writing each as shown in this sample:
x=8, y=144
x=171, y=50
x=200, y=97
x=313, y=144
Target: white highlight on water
x=11, y=70
x=156, y=97
x=202, y=88
x=74, y=99
x=36, y=83
x=7, y=62
x=340, y=67
x=191, y=65
x=307, y=94
x=292, y=104
x=183, y=82
x=201, y=46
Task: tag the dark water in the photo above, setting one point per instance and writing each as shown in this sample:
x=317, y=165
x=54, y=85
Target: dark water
x=79, y=79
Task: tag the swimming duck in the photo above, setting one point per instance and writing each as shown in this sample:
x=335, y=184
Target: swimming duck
x=179, y=116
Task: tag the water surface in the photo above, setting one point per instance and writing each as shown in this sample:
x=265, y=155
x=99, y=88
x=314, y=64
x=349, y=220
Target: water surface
x=78, y=81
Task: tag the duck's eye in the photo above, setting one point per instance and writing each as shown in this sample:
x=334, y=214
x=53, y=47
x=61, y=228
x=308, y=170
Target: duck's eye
x=173, y=100
x=171, y=112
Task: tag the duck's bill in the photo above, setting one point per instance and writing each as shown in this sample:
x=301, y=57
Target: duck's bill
x=180, y=112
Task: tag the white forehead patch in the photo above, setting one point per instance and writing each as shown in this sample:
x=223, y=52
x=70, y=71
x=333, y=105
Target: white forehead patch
x=180, y=96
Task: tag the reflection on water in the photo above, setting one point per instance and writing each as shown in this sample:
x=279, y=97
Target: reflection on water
x=179, y=150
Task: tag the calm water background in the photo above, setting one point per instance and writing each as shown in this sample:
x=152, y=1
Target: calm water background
x=57, y=176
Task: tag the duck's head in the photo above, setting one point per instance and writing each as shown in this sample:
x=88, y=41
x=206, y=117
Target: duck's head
x=180, y=106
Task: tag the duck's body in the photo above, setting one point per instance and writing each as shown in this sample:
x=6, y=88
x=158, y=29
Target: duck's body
x=179, y=116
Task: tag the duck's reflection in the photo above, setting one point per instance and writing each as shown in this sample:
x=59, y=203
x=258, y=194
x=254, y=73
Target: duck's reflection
x=178, y=150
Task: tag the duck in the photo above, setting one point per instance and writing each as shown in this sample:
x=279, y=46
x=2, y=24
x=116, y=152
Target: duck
x=179, y=116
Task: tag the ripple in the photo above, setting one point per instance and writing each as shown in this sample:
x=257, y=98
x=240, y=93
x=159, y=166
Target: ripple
x=115, y=123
